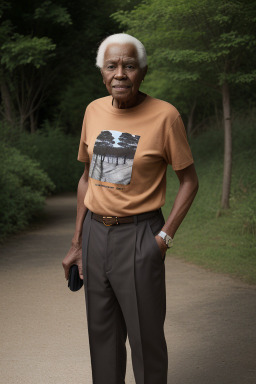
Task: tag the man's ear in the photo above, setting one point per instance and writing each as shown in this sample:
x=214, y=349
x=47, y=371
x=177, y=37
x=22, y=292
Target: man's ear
x=102, y=76
x=144, y=71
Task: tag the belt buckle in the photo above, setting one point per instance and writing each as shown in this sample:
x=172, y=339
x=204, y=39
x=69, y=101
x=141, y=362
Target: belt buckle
x=109, y=217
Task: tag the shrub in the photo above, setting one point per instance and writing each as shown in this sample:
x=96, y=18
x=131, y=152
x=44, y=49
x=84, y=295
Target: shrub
x=23, y=187
x=56, y=152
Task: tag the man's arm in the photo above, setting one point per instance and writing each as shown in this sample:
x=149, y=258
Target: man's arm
x=74, y=255
x=185, y=196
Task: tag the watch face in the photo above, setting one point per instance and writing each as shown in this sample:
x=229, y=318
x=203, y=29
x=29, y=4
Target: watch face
x=169, y=241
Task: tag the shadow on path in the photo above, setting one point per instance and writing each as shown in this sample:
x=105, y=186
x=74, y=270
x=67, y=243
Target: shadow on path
x=210, y=323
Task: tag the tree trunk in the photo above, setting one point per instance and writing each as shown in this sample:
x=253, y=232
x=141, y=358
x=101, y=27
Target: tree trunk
x=32, y=123
x=190, y=119
x=218, y=120
x=226, y=184
x=22, y=121
x=6, y=98
x=94, y=166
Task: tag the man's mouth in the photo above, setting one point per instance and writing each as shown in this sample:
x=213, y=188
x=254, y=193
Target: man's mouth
x=120, y=86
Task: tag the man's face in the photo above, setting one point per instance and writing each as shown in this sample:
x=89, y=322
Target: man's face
x=121, y=72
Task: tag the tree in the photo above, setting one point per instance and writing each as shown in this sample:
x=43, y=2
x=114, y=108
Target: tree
x=24, y=55
x=104, y=141
x=210, y=44
x=129, y=143
x=103, y=144
x=47, y=55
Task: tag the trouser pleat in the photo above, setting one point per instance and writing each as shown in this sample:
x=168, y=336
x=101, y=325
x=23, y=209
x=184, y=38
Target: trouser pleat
x=122, y=279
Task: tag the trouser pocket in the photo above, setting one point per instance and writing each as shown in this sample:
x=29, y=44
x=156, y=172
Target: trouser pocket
x=154, y=226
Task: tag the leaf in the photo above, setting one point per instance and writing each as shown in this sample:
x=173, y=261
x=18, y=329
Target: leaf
x=54, y=13
x=22, y=50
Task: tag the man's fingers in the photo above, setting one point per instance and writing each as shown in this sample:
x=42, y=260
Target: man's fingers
x=66, y=269
x=66, y=273
x=66, y=266
x=74, y=256
x=80, y=269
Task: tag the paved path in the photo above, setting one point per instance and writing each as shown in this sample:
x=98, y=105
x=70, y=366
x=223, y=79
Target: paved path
x=210, y=324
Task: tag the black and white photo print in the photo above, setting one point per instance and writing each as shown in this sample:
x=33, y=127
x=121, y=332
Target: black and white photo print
x=113, y=155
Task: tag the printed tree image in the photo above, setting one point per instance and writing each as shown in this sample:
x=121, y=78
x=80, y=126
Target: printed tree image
x=113, y=156
x=130, y=142
x=104, y=141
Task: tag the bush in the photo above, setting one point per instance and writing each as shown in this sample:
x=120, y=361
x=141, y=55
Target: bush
x=56, y=152
x=23, y=187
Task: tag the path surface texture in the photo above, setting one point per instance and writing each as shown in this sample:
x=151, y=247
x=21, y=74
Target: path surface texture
x=210, y=322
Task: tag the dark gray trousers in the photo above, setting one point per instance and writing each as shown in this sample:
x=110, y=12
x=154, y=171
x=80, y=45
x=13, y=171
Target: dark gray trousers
x=124, y=282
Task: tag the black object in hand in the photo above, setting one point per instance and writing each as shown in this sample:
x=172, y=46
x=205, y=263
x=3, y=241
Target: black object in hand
x=74, y=281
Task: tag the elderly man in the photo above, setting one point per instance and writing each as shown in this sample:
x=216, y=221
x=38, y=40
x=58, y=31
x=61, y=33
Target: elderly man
x=121, y=238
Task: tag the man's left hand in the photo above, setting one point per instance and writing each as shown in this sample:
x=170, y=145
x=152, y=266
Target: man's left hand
x=160, y=242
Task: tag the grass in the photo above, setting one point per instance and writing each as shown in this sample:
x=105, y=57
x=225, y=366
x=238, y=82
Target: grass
x=222, y=241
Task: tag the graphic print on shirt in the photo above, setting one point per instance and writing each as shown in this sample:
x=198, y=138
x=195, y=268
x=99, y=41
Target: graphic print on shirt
x=113, y=155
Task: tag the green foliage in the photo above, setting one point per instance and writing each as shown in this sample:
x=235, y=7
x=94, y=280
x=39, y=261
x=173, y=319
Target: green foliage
x=54, y=151
x=218, y=240
x=245, y=213
x=31, y=167
x=241, y=78
x=80, y=90
x=243, y=195
x=47, y=52
x=54, y=13
x=194, y=47
x=22, y=50
x=23, y=187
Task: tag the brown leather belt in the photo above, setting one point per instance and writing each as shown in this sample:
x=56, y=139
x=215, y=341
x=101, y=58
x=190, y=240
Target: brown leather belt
x=114, y=220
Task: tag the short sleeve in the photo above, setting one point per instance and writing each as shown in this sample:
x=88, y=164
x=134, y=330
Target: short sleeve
x=83, y=147
x=177, y=150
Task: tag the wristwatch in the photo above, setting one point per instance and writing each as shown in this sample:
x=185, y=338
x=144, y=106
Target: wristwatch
x=167, y=239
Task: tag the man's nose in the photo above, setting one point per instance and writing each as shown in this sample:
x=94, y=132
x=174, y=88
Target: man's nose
x=120, y=73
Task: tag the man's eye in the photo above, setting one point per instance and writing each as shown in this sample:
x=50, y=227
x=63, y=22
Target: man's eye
x=110, y=66
x=129, y=66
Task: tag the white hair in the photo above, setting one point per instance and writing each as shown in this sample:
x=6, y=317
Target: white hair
x=122, y=38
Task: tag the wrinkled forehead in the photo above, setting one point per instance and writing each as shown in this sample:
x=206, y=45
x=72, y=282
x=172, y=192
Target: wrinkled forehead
x=117, y=52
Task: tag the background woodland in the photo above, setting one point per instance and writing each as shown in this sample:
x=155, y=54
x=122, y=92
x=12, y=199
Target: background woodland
x=201, y=57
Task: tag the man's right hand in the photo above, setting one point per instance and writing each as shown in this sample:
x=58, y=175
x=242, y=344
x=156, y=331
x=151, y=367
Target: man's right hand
x=74, y=256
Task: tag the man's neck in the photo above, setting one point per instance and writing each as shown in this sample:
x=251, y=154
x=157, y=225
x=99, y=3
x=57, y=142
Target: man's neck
x=138, y=98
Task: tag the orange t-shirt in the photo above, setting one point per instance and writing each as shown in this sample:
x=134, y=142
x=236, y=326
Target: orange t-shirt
x=128, y=151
